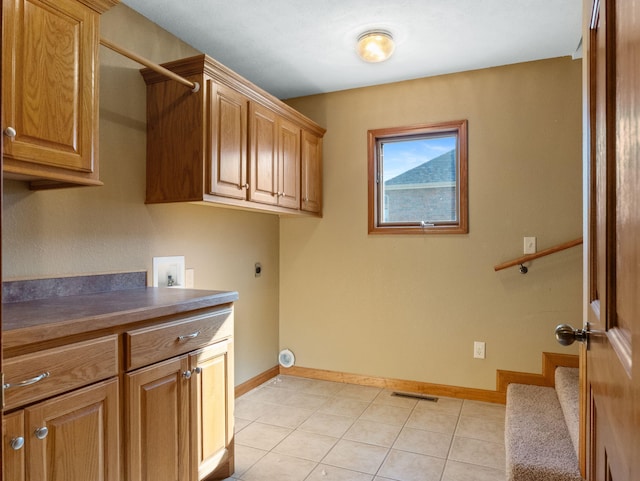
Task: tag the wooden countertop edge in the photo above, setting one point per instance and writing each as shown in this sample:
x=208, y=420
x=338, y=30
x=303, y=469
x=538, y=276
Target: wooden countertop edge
x=16, y=338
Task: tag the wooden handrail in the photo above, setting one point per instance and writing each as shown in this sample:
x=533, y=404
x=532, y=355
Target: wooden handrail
x=530, y=257
x=148, y=63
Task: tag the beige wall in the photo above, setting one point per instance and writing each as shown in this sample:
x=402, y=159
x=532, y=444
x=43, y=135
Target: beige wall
x=410, y=307
x=109, y=229
x=389, y=306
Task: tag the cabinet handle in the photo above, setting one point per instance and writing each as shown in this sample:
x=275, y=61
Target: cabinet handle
x=189, y=336
x=10, y=132
x=186, y=374
x=17, y=443
x=27, y=382
x=244, y=186
x=197, y=370
x=41, y=433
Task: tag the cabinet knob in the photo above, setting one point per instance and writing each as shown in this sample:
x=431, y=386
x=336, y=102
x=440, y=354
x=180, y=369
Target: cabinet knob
x=186, y=374
x=17, y=443
x=10, y=132
x=245, y=186
x=197, y=370
x=41, y=433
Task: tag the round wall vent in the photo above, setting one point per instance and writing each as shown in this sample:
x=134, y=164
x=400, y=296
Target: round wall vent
x=286, y=358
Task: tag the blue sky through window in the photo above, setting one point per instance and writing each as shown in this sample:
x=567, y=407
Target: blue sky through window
x=401, y=156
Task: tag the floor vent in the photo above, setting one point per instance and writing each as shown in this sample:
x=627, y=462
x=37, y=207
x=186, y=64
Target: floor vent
x=424, y=397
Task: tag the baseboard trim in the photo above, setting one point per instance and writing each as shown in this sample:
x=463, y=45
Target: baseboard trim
x=398, y=384
x=550, y=361
x=256, y=381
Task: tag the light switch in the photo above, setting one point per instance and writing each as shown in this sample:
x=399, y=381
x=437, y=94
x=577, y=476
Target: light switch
x=529, y=245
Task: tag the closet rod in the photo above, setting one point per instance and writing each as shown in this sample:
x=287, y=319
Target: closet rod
x=194, y=86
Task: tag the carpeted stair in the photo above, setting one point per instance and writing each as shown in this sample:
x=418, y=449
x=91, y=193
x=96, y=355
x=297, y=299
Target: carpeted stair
x=541, y=430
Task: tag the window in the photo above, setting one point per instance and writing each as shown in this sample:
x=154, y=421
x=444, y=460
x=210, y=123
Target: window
x=418, y=179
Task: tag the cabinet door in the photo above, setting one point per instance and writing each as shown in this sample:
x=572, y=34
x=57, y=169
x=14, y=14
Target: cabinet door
x=263, y=165
x=81, y=438
x=288, y=191
x=227, y=163
x=212, y=415
x=311, y=178
x=13, y=448
x=158, y=421
x=49, y=89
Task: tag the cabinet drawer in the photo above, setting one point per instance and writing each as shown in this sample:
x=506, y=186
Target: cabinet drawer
x=156, y=343
x=45, y=373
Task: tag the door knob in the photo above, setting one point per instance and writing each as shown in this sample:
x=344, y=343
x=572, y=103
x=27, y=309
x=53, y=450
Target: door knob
x=567, y=335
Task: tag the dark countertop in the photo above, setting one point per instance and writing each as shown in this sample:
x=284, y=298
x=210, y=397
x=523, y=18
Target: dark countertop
x=42, y=320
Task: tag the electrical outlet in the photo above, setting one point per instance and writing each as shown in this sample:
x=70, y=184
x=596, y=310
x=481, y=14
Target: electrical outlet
x=529, y=245
x=189, y=278
x=478, y=349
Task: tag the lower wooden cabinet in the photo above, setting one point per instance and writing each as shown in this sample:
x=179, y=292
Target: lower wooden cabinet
x=172, y=377
x=13, y=449
x=212, y=449
x=157, y=421
x=178, y=417
x=74, y=436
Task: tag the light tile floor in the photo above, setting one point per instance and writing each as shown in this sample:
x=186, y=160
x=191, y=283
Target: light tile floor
x=296, y=429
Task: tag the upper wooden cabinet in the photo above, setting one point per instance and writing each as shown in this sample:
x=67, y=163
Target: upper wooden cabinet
x=274, y=159
x=50, y=76
x=229, y=143
x=311, y=173
x=228, y=167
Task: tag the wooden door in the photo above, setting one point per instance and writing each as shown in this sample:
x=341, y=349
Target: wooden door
x=611, y=359
x=288, y=187
x=82, y=438
x=227, y=161
x=158, y=421
x=212, y=411
x=311, y=175
x=49, y=86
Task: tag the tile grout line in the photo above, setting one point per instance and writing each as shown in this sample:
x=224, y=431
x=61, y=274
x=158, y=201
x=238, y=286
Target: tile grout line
x=333, y=395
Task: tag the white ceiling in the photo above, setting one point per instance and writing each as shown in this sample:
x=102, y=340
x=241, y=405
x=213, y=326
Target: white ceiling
x=292, y=48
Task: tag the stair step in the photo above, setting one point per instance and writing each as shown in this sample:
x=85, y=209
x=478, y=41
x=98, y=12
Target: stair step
x=568, y=391
x=537, y=441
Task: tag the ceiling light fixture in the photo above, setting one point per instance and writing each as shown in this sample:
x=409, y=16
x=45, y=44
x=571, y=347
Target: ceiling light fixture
x=375, y=46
